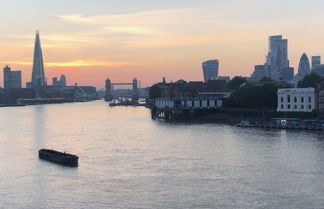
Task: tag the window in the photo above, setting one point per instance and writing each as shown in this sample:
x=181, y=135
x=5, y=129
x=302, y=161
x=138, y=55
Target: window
x=295, y=107
x=282, y=100
x=282, y=106
x=302, y=107
x=288, y=107
x=309, y=99
x=295, y=99
x=302, y=99
x=288, y=99
x=310, y=107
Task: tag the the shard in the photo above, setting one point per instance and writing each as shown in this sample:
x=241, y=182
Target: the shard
x=38, y=75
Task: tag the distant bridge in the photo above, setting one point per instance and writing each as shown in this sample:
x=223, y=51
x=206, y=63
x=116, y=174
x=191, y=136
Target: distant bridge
x=114, y=94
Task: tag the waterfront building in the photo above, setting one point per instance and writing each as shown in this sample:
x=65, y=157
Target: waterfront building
x=304, y=67
x=210, y=69
x=296, y=100
x=259, y=72
x=321, y=99
x=11, y=79
x=316, y=60
x=38, y=74
x=188, y=103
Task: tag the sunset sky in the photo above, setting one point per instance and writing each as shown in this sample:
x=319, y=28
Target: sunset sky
x=90, y=40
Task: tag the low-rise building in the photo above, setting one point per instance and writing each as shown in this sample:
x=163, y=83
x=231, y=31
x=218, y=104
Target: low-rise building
x=296, y=100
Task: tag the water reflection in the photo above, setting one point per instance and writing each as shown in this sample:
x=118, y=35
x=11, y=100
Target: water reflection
x=129, y=161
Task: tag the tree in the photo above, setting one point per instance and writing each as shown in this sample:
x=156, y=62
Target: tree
x=155, y=92
x=254, y=96
x=311, y=80
x=236, y=82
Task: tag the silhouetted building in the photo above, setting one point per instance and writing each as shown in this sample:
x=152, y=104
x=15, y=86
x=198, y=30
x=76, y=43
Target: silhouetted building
x=135, y=91
x=225, y=78
x=210, y=69
x=38, y=74
x=319, y=69
x=63, y=80
x=54, y=81
x=59, y=83
x=304, y=67
x=321, y=98
x=109, y=91
x=316, y=60
x=259, y=72
x=277, y=58
x=14, y=95
x=286, y=74
x=11, y=79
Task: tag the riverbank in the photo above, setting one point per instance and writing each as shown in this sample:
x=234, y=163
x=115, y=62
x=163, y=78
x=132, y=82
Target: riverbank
x=235, y=115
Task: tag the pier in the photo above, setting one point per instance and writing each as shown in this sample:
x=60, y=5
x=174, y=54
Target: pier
x=286, y=123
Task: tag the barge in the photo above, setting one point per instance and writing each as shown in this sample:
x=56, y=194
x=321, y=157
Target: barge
x=61, y=158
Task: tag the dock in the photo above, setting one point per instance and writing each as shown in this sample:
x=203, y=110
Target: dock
x=286, y=123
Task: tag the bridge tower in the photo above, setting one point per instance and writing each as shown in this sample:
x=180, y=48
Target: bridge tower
x=109, y=91
x=135, y=90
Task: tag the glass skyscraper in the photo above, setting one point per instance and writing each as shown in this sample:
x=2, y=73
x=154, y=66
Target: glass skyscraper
x=210, y=69
x=38, y=74
x=304, y=66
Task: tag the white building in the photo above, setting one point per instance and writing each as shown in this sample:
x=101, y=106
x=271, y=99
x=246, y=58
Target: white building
x=296, y=100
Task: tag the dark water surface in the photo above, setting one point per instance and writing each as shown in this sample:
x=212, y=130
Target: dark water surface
x=129, y=161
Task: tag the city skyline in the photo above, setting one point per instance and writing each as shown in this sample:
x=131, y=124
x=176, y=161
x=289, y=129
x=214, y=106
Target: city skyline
x=93, y=41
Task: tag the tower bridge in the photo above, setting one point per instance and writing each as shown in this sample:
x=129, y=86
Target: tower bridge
x=111, y=93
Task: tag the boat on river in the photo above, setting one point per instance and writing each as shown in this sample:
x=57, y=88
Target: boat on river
x=61, y=158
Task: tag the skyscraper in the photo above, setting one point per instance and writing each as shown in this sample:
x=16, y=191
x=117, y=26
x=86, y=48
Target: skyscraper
x=277, y=57
x=258, y=73
x=63, y=80
x=38, y=74
x=11, y=79
x=316, y=60
x=210, y=69
x=304, y=66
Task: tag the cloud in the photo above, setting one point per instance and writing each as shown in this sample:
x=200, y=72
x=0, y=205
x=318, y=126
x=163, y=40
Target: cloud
x=130, y=30
x=79, y=63
x=52, y=37
x=141, y=18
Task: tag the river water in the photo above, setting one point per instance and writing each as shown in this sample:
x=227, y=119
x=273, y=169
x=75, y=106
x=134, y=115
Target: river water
x=126, y=160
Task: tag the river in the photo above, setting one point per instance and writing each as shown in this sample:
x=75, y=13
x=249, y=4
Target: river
x=126, y=160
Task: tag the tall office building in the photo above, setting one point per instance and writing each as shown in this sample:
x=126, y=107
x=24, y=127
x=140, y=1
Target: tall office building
x=11, y=79
x=259, y=72
x=63, y=80
x=304, y=66
x=59, y=83
x=316, y=60
x=38, y=74
x=210, y=69
x=277, y=57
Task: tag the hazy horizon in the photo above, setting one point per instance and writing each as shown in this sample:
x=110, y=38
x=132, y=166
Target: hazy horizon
x=89, y=41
